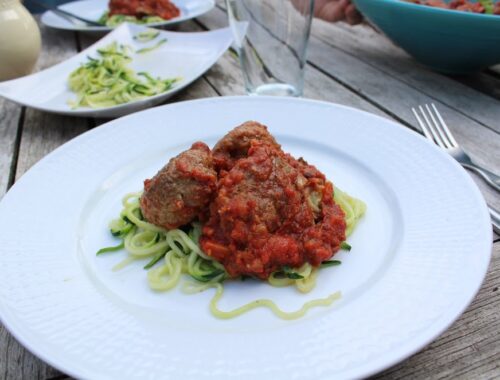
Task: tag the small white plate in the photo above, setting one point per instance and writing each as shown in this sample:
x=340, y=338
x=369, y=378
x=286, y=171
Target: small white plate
x=94, y=9
x=185, y=55
x=418, y=256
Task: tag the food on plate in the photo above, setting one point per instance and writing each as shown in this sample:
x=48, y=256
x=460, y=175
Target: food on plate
x=107, y=80
x=272, y=211
x=147, y=35
x=152, y=47
x=139, y=11
x=245, y=209
x=181, y=191
x=481, y=6
x=236, y=143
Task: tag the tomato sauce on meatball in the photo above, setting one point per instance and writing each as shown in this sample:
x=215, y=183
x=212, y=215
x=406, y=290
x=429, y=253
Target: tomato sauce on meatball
x=140, y=8
x=270, y=211
x=182, y=190
x=236, y=143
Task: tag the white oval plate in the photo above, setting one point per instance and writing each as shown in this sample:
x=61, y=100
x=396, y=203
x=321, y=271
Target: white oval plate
x=418, y=258
x=93, y=10
x=185, y=55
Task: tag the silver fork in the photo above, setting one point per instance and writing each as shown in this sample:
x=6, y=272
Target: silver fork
x=67, y=15
x=436, y=130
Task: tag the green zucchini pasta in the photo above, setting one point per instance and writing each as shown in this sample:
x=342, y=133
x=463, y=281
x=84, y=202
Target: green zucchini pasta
x=117, y=20
x=176, y=252
x=108, y=81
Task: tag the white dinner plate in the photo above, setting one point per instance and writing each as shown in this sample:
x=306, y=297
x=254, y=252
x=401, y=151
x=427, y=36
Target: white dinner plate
x=185, y=56
x=419, y=255
x=94, y=9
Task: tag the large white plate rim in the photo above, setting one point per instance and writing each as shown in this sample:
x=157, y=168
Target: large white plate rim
x=438, y=325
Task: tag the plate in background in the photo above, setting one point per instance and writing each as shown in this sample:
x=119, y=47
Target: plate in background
x=185, y=55
x=94, y=9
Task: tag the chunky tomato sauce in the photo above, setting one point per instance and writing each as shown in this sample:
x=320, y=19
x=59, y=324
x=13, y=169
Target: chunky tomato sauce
x=271, y=211
x=140, y=8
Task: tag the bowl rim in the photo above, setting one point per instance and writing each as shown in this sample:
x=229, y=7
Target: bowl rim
x=430, y=9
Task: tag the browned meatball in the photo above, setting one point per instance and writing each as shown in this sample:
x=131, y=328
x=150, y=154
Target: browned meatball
x=236, y=143
x=181, y=190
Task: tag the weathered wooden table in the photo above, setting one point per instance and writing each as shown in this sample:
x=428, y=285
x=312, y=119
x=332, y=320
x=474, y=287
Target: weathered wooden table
x=355, y=66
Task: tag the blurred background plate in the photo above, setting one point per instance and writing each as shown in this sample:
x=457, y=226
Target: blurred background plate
x=94, y=9
x=185, y=55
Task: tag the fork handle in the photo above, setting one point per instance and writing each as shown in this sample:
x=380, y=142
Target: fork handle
x=492, y=179
x=64, y=14
x=495, y=219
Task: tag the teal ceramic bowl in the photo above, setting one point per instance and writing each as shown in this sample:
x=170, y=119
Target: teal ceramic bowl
x=448, y=41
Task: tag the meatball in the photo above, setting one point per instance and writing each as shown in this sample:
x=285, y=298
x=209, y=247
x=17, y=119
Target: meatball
x=272, y=211
x=182, y=190
x=139, y=8
x=236, y=143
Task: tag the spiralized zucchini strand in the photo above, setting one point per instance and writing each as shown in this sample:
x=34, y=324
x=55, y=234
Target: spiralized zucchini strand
x=108, y=81
x=117, y=20
x=175, y=252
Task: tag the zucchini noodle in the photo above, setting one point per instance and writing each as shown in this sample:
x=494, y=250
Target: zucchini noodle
x=270, y=305
x=117, y=20
x=146, y=35
x=353, y=209
x=108, y=80
x=151, y=48
x=176, y=252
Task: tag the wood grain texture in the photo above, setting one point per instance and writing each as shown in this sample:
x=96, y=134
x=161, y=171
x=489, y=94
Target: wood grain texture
x=10, y=115
x=374, y=49
x=481, y=142
x=227, y=78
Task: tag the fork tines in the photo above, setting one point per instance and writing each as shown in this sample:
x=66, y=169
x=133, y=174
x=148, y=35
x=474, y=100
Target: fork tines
x=434, y=127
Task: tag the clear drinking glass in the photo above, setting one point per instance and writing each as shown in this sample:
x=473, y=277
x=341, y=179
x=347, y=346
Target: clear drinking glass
x=271, y=38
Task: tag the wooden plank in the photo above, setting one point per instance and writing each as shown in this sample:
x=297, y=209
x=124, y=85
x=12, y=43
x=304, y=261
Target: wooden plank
x=397, y=98
x=468, y=109
x=489, y=83
x=470, y=349
x=18, y=363
x=41, y=132
x=374, y=49
x=44, y=132
x=10, y=115
x=227, y=78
